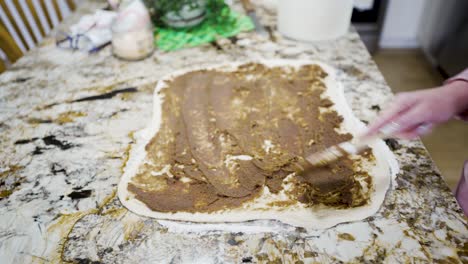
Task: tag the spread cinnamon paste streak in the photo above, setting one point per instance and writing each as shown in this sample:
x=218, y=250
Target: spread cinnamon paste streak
x=225, y=136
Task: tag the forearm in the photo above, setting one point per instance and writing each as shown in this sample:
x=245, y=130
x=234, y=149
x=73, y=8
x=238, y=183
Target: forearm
x=458, y=90
x=457, y=87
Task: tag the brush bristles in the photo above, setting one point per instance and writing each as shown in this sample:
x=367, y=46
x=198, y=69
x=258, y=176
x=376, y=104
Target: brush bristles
x=334, y=153
x=325, y=157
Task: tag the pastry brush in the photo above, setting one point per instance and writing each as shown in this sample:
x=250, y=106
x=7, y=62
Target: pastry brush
x=350, y=147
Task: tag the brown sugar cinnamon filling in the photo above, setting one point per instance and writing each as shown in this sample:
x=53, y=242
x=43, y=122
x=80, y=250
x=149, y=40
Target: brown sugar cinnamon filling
x=226, y=135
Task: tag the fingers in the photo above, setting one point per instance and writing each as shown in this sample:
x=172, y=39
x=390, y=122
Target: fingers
x=412, y=119
x=400, y=105
x=415, y=132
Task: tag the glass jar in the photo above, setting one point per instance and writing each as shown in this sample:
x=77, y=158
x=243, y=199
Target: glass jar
x=132, y=32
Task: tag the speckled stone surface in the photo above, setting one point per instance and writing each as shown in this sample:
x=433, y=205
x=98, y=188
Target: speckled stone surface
x=66, y=124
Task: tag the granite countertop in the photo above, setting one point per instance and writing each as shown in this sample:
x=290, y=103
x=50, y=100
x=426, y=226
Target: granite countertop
x=66, y=125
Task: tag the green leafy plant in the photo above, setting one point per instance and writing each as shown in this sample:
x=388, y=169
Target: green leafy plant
x=159, y=8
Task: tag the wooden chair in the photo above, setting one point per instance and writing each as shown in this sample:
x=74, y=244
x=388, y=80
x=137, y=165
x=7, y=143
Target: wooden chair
x=24, y=23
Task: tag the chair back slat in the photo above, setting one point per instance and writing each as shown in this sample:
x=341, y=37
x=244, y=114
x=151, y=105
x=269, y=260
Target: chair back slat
x=2, y=66
x=31, y=20
x=71, y=4
x=3, y=58
x=20, y=24
x=9, y=51
x=64, y=8
x=11, y=30
x=54, y=18
x=8, y=45
x=3, y=61
x=42, y=17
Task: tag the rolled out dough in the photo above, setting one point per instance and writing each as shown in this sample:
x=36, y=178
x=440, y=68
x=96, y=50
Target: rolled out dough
x=383, y=171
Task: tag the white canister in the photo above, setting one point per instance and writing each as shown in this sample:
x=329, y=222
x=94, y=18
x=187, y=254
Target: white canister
x=314, y=20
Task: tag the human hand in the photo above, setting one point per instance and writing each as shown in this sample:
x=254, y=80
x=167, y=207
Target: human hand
x=416, y=113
